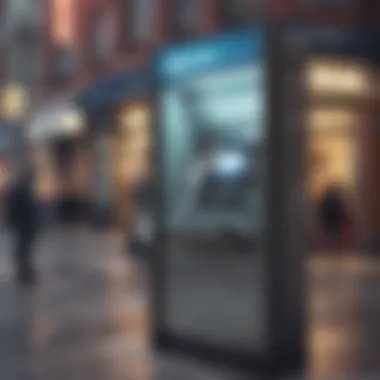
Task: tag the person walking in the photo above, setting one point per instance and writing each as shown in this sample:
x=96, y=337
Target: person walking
x=22, y=215
x=141, y=226
x=332, y=213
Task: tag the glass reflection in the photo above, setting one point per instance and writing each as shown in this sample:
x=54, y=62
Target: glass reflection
x=214, y=141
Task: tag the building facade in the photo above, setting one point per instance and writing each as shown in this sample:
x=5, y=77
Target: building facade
x=88, y=40
x=91, y=47
x=20, y=68
x=94, y=50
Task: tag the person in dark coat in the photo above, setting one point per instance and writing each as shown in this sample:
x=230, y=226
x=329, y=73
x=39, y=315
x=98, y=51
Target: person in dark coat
x=141, y=224
x=332, y=212
x=23, y=222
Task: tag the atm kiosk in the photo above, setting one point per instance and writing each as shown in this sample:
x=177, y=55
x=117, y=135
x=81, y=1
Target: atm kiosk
x=228, y=279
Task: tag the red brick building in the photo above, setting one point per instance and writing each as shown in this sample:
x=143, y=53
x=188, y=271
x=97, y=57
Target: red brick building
x=132, y=29
x=91, y=39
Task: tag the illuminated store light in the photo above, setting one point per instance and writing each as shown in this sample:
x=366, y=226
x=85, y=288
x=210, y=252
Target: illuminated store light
x=14, y=101
x=330, y=118
x=337, y=78
x=135, y=117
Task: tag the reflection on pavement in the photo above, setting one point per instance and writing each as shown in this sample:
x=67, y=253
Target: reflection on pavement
x=344, y=309
x=87, y=318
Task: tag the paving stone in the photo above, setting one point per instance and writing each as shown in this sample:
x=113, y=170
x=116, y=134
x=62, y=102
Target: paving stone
x=87, y=319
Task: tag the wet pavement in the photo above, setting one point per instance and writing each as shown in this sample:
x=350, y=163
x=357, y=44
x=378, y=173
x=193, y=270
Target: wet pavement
x=88, y=319
x=344, y=314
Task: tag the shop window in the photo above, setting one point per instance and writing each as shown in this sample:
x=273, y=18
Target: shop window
x=138, y=21
x=185, y=17
x=332, y=161
x=332, y=142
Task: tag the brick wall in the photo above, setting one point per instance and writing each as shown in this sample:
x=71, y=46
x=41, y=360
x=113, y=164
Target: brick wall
x=208, y=20
x=122, y=56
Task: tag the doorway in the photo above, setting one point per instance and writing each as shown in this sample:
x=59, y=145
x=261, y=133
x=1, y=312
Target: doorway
x=337, y=93
x=337, y=111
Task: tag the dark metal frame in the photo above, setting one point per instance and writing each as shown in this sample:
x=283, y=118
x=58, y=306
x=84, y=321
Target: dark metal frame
x=278, y=356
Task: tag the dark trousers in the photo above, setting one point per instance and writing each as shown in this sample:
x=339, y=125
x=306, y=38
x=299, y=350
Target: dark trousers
x=73, y=209
x=23, y=257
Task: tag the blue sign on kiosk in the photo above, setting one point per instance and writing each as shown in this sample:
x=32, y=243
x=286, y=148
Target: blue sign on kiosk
x=184, y=62
x=213, y=290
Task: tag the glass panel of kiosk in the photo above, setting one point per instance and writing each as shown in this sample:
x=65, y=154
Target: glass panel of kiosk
x=211, y=104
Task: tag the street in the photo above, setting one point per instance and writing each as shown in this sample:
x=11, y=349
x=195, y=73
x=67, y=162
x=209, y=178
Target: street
x=343, y=315
x=87, y=318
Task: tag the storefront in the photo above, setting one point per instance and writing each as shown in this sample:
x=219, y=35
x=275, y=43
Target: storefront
x=329, y=98
x=56, y=136
x=228, y=283
x=118, y=110
x=132, y=157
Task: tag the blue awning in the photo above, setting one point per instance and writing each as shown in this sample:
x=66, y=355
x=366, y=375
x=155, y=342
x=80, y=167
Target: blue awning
x=113, y=89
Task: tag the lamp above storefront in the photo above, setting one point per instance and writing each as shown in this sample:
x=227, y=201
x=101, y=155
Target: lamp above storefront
x=337, y=78
x=13, y=102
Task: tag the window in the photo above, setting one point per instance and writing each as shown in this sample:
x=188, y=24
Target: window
x=331, y=148
x=102, y=35
x=142, y=16
x=138, y=21
x=235, y=13
x=184, y=17
x=65, y=63
x=186, y=13
x=62, y=22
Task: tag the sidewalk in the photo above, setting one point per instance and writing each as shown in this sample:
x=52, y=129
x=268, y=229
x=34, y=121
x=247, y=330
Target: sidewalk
x=86, y=320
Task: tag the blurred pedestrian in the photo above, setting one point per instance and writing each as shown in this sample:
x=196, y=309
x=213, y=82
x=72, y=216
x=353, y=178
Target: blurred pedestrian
x=140, y=228
x=22, y=216
x=332, y=215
